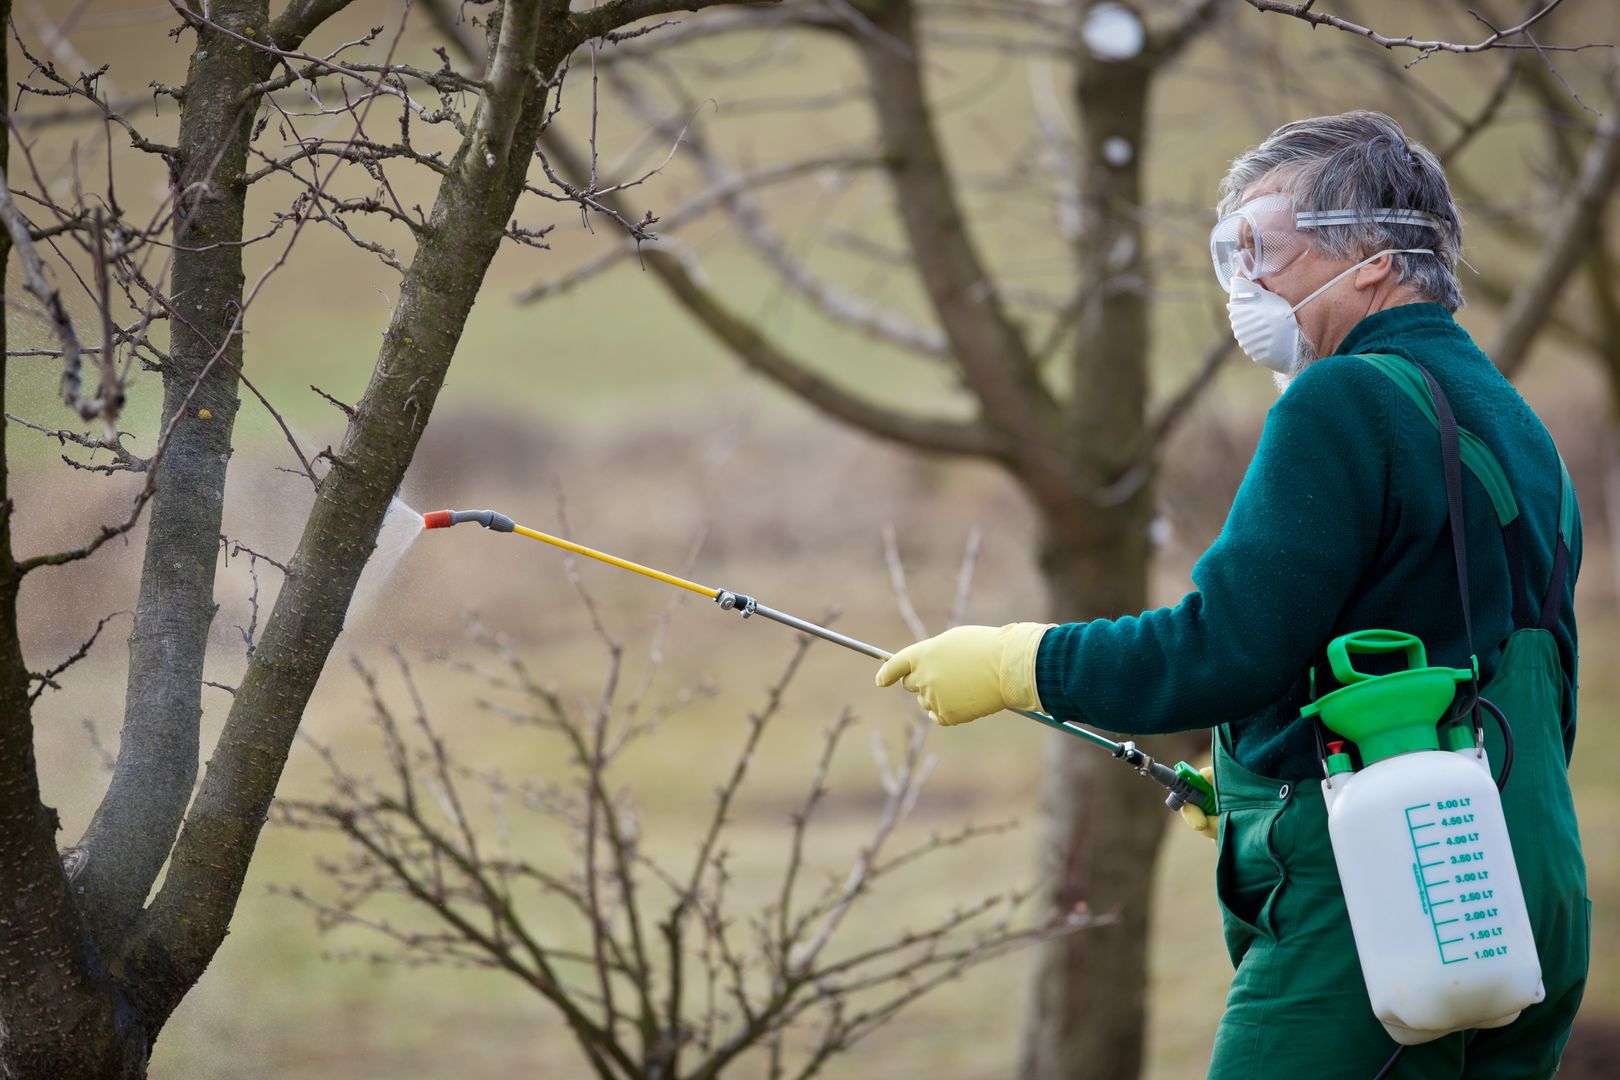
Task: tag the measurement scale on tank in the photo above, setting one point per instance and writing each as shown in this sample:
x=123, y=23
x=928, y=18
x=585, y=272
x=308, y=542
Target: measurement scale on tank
x=1454, y=881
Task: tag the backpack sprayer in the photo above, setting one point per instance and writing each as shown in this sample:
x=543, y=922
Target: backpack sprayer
x=1418, y=833
x=1183, y=782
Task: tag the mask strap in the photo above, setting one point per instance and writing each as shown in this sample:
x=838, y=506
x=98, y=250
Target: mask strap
x=1335, y=279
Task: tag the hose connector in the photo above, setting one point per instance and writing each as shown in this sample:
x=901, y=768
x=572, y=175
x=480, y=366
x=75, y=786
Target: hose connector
x=730, y=601
x=489, y=519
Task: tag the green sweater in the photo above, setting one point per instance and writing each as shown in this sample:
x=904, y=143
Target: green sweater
x=1340, y=525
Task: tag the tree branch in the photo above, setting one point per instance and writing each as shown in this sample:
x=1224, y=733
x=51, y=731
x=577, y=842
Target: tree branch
x=449, y=17
x=1482, y=119
x=47, y=678
x=759, y=353
x=1576, y=230
x=1497, y=39
x=995, y=361
x=301, y=18
x=706, y=201
x=109, y=398
x=617, y=14
x=837, y=304
x=123, y=460
x=1165, y=44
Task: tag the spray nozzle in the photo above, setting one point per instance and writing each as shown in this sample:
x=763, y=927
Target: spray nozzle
x=489, y=519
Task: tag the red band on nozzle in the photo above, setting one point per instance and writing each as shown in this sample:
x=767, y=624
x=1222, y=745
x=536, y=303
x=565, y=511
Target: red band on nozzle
x=438, y=519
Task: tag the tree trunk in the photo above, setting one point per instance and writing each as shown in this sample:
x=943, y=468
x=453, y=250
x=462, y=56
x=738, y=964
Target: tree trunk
x=1101, y=824
x=88, y=1001
x=129, y=837
x=1101, y=827
x=188, y=919
x=57, y=1018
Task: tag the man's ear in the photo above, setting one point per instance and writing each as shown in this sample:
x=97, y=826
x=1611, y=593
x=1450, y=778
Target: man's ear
x=1374, y=273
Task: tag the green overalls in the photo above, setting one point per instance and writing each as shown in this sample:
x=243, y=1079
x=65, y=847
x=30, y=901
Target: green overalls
x=1297, y=1006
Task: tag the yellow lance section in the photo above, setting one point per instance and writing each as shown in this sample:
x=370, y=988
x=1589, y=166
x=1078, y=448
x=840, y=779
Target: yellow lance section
x=614, y=560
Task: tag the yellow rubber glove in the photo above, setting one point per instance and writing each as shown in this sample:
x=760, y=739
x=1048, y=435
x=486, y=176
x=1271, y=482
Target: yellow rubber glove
x=970, y=671
x=1202, y=823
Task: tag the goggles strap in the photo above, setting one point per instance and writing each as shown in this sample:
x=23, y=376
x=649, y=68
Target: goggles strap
x=1312, y=219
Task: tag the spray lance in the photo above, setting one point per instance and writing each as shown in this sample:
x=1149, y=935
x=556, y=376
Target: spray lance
x=1183, y=782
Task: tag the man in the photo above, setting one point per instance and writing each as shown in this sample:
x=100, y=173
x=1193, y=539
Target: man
x=1337, y=237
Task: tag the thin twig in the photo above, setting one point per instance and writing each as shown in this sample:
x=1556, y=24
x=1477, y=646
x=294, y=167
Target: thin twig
x=47, y=678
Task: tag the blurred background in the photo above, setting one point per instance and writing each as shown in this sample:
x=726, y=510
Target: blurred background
x=603, y=409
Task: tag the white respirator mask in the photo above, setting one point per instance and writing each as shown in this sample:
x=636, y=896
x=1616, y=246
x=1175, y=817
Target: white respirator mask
x=1266, y=327
x=1262, y=237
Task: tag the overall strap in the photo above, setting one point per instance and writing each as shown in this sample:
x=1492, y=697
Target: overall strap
x=1513, y=542
x=1418, y=385
x=1552, y=604
x=1410, y=379
x=1451, y=462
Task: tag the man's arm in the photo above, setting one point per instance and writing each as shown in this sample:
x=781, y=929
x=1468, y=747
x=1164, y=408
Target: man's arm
x=1303, y=532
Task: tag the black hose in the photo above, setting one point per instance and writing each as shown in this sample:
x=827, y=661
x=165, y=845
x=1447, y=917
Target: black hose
x=1507, y=739
x=1390, y=1064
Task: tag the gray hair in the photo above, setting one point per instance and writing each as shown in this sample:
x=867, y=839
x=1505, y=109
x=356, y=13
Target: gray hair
x=1362, y=161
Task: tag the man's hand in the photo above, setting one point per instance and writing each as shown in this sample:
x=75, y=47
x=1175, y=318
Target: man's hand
x=1202, y=823
x=970, y=671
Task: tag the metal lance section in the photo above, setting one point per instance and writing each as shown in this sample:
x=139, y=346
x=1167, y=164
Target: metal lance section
x=1183, y=782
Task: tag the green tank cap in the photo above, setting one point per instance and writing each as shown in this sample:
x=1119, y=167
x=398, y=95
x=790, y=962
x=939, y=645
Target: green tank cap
x=1385, y=715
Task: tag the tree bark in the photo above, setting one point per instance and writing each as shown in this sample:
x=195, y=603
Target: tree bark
x=1101, y=828
x=180, y=931
x=134, y=826
x=129, y=837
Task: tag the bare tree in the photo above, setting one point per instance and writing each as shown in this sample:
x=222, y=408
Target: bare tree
x=92, y=960
x=1054, y=382
x=655, y=964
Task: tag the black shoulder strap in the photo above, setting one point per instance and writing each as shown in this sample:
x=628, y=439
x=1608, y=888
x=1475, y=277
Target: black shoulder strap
x=1552, y=604
x=1451, y=462
x=1418, y=385
x=1513, y=544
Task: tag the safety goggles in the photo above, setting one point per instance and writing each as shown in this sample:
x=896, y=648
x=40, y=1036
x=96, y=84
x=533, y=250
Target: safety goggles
x=1264, y=235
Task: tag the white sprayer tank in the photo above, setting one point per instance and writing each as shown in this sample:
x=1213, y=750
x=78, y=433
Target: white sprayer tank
x=1422, y=849
x=1434, y=897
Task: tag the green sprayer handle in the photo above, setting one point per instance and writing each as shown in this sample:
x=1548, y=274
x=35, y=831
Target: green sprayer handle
x=1368, y=642
x=1191, y=787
